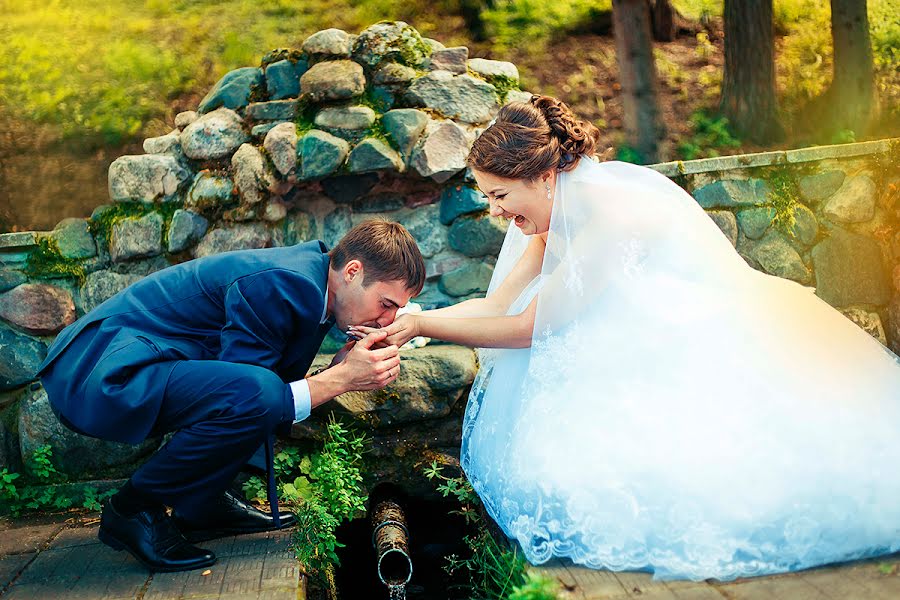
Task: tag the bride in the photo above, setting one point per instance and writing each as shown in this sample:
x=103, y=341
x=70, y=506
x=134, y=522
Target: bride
x=648, y=401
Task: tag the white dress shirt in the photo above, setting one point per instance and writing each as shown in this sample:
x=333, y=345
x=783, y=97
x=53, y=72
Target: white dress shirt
x=300, y=388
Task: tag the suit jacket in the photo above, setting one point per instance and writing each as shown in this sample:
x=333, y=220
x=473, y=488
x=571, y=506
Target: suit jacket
x=261, y=307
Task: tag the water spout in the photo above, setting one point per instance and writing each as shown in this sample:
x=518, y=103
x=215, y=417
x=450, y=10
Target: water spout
x=391, y=540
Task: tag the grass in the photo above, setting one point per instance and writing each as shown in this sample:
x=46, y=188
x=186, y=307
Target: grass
x=115, y=70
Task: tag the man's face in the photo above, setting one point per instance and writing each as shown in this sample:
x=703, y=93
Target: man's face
x=374, y=305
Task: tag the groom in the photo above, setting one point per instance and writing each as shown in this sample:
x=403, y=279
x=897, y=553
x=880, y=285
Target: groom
x=216, y=350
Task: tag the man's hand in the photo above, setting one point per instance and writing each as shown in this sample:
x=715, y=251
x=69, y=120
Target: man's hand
x=403, y=329
x=342, y=353
x=365, y=368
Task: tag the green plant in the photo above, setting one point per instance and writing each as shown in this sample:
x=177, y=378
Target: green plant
x=42, y=489
x=326, y=492
x=46, y=262
x=710, y=133
x=494, y=570
x=537, y=587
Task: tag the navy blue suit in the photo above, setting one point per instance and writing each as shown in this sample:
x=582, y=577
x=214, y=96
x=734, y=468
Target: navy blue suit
x=205, y=348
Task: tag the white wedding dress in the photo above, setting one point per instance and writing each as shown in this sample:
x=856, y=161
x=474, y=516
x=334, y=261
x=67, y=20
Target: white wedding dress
x=679, y=411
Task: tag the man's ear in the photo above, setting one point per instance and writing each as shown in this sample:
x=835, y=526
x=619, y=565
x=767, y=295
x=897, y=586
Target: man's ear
x=352, y=270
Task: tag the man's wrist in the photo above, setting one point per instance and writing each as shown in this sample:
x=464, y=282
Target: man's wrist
x=326, y=385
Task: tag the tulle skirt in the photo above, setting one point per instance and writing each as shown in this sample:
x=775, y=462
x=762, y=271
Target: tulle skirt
x=692, y=429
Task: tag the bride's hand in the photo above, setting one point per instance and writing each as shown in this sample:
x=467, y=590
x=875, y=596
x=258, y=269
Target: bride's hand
x=403, y=329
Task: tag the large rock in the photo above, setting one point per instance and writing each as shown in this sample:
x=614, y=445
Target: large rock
x=100, y=286
x=321, y=154
x=333, y=80
x=733, y=192
x=38, y=308
x=432, y=379
x=379, y=203
x=73, y=239
x=478, y=235
x=186, y=228
x=460, y=97
x=393, y=75
x=209, y=191
x=818, y=187
x=472, y=278
x=754, y=222
x=243, y=236
x=849, y=270
x=214, y=135
x=422, y=223
x=459, y=200
x=806, y=227
x=20, y=357
x=146, y=178
x=491, y=69
x=275, y=110
x=333, y=43
x=283, y=78
x=337, y=224
x=391, y=42
x=10, y=279
x=281, y=145
x=346, y=117
x=854, y=202
x=373, y=155
x=726, y=221
x=78, y=456
x=233, y=90
x=185, y=118
x=869, y=322
x=136, y=237
x=251, y=174
x=405, y=125
x=777, y=257
x=164, y=144
x=443, y=152
x=892, y=325
x=450, y=59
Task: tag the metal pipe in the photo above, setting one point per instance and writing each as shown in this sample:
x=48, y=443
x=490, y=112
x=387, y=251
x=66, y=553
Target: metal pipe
x=390, y=538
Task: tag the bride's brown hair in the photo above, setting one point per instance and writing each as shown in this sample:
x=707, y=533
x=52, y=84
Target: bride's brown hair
x=530, y=138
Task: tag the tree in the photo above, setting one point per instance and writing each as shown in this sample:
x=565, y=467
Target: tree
x=637, y=76
x=851, y=93
x=748, y=82
x=663, y=18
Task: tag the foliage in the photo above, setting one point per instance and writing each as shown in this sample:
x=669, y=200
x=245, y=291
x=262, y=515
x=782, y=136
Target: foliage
x=626, y=153
x=326, y=490
x=42, y=491
x=508, y=22
x=46, y=262
x=537, y=587
x=101, y=223
x=784, y=198
x=494, y=571
x=710, y=134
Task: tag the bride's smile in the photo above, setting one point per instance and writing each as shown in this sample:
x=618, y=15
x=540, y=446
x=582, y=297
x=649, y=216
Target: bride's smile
x=526, y=203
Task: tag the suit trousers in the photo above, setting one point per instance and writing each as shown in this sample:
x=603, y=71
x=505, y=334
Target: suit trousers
x=221, y=413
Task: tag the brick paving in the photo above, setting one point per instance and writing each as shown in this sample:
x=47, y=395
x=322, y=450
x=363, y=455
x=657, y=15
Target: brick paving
x=65, y=561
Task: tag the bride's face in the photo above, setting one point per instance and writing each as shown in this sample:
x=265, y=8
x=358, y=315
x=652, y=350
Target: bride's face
x=522, y=200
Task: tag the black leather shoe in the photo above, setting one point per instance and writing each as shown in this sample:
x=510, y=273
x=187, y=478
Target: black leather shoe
x=229, y=515
x=151, y=538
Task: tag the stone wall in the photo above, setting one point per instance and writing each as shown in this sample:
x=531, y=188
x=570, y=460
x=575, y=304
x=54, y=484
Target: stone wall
x=347, y=127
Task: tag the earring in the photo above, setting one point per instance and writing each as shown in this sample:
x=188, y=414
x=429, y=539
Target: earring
x=547, y=185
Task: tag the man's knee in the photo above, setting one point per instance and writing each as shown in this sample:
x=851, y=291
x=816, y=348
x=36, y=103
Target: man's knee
x=260, y=393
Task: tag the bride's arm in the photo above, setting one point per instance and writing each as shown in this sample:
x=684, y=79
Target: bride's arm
x=527, y=268
x=512, y=331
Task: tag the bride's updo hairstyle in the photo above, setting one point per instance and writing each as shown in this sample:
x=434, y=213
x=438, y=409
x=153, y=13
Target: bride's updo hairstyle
x=530, y=138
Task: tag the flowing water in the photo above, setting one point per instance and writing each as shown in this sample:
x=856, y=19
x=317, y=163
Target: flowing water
x=397, y=591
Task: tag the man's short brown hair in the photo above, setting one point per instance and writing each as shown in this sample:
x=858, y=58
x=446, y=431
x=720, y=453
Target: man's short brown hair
x=387, y=251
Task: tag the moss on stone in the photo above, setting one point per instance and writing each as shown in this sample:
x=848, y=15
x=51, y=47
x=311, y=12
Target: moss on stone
x=46, y=262
x=784, y=194
x=369, y=99
x=278, y=54
x=102, y=224
x=306, y=115
x=503, y=84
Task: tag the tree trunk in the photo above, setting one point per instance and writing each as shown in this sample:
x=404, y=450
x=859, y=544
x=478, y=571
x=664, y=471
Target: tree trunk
x=748, y=82
x=851, y=93
x=663, y=20
x=637, y=76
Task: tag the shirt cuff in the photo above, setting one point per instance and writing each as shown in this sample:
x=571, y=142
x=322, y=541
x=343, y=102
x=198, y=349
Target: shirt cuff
x=302, y=399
